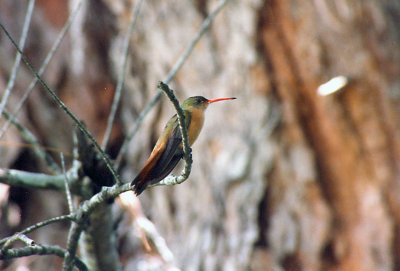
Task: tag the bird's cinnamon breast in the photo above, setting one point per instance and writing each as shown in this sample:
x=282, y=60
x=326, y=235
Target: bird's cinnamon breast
x=196, y=123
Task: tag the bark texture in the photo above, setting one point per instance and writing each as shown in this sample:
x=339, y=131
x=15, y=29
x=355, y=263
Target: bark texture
x=283, y=178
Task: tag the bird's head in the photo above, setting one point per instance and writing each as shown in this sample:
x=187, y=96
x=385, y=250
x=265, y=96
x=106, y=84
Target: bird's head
x=200, y=102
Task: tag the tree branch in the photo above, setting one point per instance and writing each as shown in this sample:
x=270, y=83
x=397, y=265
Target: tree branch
x=67, y=190
x=9, y=240
x=72, y=244
x=40, y=250
x=32, y=180
x=83, y=213
x=98, y=243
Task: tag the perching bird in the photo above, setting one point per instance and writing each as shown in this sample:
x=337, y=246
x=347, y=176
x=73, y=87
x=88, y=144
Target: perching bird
x=168, y=150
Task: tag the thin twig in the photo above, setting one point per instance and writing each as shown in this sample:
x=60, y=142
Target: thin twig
x=177, y=66
x=121, y=73
x=47, y=222
x=17, y=61
x=25, y=239
x=65, y=108
x=11, y=239
x=40, y=250
x=67, y=190
x=43, y=67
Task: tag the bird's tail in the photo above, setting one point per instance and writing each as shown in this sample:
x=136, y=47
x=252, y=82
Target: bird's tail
x=140, y=182
x=149, y=175
x=139, y=185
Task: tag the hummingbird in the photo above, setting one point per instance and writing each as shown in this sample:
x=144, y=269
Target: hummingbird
x=168, y=150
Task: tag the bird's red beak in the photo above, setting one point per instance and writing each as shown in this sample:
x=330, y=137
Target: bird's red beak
x=220, y=99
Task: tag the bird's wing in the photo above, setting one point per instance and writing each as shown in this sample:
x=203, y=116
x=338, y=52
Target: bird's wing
x=172, y=149
x=162, y=162
x=142, y=184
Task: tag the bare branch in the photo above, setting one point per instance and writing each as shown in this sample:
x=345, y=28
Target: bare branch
x=7, y=242
x=107, y=193
x=47, y=222
x=26, y=179
x=72, y=245
x=25, y=239
x=98, y=246
x=17, y=61
x=67, y=191
x=40, y=250
x=79, y=218
x=30, y=180
x=83, y=213
x=16, y=237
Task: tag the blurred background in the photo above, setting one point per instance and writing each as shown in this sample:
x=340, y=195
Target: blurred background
x=295, y=174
